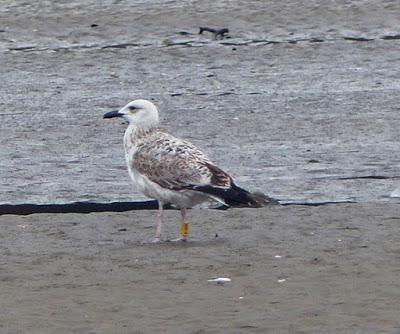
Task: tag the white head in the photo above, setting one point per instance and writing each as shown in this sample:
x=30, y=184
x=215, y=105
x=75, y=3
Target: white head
x=139, y=113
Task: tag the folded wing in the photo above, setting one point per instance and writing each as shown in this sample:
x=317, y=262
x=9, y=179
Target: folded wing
x=178, y=165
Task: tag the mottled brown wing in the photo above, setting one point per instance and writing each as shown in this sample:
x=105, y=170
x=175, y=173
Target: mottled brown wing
x=177, y=165
x=218, y=177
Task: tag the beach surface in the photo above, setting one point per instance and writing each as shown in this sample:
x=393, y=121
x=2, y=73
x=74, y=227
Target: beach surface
x=294, y=269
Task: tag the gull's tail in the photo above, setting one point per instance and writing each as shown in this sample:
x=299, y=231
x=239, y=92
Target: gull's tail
x=238, y=197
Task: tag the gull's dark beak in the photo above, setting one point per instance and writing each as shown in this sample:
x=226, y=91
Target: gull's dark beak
x=112, y=114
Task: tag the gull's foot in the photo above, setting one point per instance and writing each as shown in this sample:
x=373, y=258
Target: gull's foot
x=184, y=239
x=156, y=240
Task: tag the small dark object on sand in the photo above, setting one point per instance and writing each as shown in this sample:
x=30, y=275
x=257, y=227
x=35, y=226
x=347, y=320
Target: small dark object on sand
x=184, y=33
x=389, y=37
x=216, y=32
x=357, y=39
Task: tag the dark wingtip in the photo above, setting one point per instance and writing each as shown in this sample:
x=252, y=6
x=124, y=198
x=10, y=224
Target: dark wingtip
x=261, y=199
x=244, y=198
x=236, y=196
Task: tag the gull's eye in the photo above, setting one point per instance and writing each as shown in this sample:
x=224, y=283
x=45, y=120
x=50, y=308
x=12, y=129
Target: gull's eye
x=132, y=108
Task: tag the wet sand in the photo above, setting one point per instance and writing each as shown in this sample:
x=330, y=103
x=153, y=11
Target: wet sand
x=294, y=269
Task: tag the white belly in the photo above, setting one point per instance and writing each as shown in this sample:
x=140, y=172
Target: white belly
x=182, y=199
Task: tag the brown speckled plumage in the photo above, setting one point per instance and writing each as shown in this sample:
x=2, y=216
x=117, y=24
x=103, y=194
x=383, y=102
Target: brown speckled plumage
x=175, y=164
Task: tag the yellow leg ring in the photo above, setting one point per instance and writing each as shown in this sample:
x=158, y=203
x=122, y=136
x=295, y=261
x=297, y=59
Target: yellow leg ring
x=184, y=230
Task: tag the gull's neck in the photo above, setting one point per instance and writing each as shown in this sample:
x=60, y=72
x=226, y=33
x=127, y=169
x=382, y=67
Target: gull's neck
x=142, y=129
x=134, y=133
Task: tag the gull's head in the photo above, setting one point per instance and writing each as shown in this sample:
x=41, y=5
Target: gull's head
x=140, y=113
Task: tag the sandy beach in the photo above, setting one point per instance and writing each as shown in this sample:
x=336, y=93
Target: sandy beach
x=294, y=269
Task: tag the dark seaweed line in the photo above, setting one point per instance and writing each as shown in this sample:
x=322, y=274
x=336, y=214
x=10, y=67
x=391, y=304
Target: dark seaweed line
x=76, y=207
x=371, y=177
x=91, y=207
x=189, y=43
x=316, y=203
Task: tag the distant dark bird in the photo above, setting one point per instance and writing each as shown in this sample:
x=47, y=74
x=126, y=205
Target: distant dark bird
x=217, y=32
x=172, y=170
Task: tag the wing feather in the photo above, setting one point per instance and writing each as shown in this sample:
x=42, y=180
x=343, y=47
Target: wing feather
x=176, y=164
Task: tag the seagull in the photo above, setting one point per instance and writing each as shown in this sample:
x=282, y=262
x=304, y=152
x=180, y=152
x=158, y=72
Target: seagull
x=174, y=171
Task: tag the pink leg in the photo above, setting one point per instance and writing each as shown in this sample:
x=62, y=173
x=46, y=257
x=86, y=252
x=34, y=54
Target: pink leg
x=183, y=214
x=160, y=218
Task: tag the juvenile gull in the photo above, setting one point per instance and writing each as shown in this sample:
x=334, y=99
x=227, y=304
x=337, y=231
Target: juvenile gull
x=172, y=170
